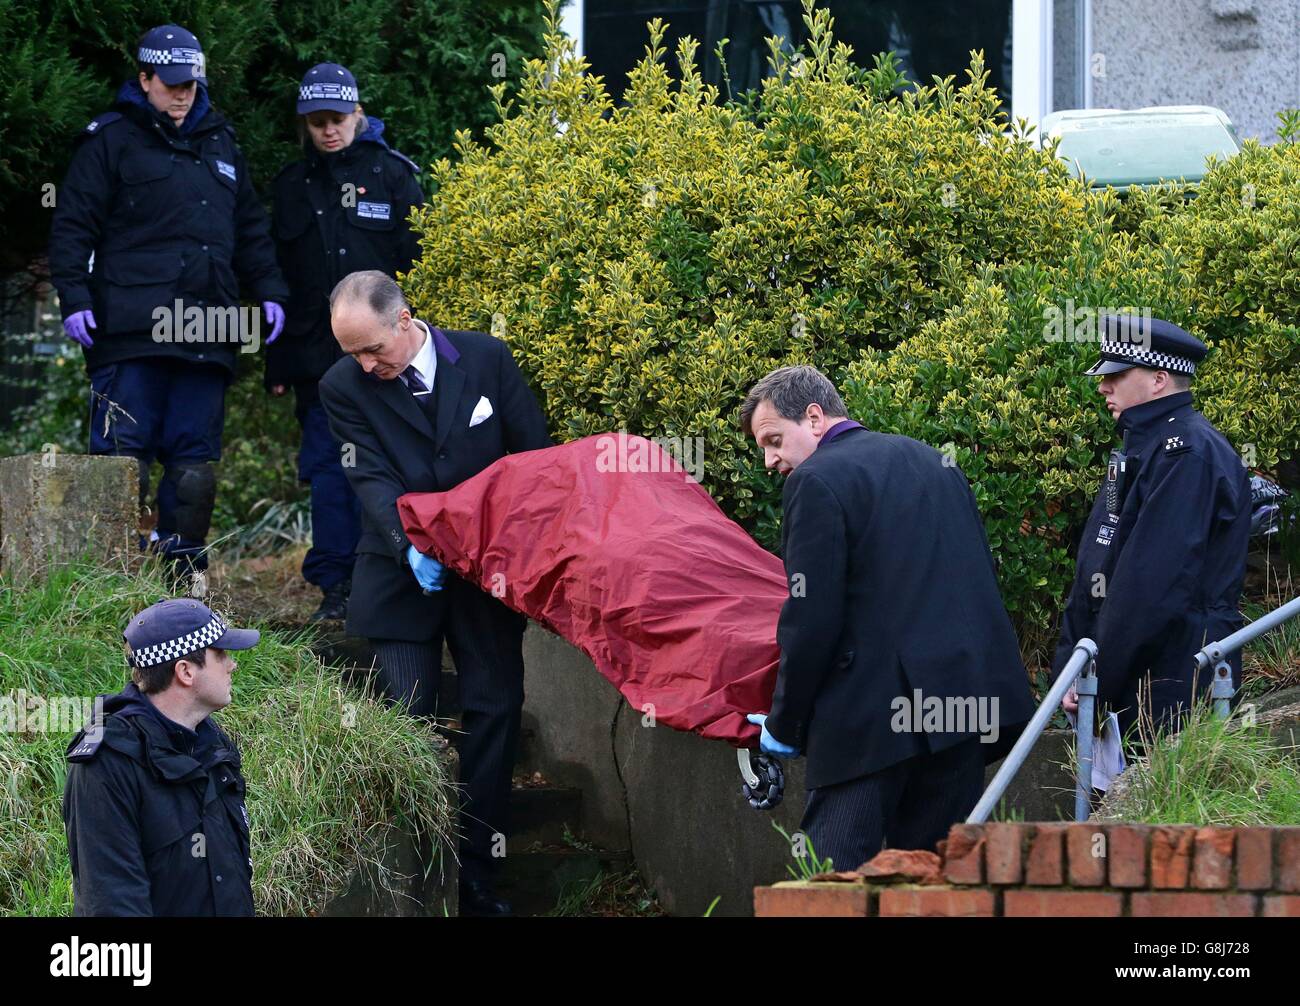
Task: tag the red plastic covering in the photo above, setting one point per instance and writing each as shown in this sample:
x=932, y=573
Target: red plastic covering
x=610, y=544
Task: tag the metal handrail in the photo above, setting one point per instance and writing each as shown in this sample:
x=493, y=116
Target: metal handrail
x=1082, y=660
x=1082, y=667
x=1216, y=654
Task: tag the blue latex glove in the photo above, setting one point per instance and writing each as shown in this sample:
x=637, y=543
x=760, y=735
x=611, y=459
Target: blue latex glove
x=275, y=315
x=76, y=324
x=769, y=744
x=428, y=571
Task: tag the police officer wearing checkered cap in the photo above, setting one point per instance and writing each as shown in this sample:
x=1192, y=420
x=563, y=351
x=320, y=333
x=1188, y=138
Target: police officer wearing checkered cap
x=154, y=803
x=1163, y=554
x=157, y=237
x=342, y=207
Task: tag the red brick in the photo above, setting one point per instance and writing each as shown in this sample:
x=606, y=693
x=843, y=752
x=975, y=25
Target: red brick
x=1282, y=906
x=903, y=866
x=964, y=856
x=1212, y=859
x=1126, y=855
x=1062, y=904
x=1171, y=856
x=1045, y=864
x=1002, y=854
x=1149, y=904
x=945, y=901
x=1254, y=859
x=1086, y=844
x=1288, y=859
x=807, y=900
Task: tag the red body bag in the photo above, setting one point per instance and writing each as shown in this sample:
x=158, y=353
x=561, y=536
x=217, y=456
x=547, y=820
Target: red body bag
x=608, y=542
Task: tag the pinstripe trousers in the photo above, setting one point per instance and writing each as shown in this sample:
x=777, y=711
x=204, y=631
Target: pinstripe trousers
x=910, y=805
x=486, y=642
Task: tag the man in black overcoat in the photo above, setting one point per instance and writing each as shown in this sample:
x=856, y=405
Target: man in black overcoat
x=900, y=672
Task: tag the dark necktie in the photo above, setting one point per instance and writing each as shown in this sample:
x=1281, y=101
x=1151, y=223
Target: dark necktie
x=412, y=379
x=423, y=396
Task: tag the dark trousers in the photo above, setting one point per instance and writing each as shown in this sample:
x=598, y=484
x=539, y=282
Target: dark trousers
x=910, y=805
x=335, y=509
x=486, y=642
x=170, y=411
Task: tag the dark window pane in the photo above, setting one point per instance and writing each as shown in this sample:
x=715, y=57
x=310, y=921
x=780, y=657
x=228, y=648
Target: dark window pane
x=931, y=37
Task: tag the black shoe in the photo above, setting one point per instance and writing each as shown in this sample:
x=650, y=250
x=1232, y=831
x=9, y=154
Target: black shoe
x=334, y=606
x=478, y=900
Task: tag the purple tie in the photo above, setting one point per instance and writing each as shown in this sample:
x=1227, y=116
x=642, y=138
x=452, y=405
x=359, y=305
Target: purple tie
x=411, y=378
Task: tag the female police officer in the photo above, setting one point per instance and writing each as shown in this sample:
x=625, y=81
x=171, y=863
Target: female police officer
x=341, y=209
x=158, y=225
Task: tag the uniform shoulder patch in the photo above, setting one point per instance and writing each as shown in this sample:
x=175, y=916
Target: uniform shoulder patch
x=1176, y=444
x=115, y=733
x=86, y=744
x=415, y=168
x=100, y=121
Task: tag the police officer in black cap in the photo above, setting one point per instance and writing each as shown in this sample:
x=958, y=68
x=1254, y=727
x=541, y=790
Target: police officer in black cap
x=342, y=208
x=156, y=235
x=154, y=799
x=1163, y=554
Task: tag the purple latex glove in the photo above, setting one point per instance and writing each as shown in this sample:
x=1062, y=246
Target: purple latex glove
x=76, y=324
x=275, y=315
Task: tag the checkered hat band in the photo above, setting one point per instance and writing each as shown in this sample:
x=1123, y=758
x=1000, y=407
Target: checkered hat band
x=1132, y=353
x=165, y=57
x=174, y=649
x=316, y=91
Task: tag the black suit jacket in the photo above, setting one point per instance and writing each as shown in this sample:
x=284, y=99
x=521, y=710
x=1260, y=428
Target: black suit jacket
x=893, y=590
x=395, y=451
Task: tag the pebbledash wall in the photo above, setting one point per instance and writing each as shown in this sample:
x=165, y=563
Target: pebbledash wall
x=1016, y=869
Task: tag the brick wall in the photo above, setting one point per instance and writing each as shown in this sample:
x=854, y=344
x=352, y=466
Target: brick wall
x=1064, y=869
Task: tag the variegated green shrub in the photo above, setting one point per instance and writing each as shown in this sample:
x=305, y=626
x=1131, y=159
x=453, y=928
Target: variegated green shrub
x=1238, y=247
x=647, y=262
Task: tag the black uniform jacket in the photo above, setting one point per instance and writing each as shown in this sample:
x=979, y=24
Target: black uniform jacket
x=167, y=215
x=1161, y=577
x=334, y=214
x=155, y=816
x=398, y=449
x=893, y=597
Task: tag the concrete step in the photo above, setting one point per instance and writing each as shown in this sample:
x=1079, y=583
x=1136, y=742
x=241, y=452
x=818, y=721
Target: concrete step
x=537, y=881
x=545, y=815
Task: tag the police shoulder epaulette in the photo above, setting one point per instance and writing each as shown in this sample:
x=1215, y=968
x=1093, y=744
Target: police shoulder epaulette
x=415, y=168
x=1177, y=439
x=86, y=744
x=115, y=732
x=100, y=121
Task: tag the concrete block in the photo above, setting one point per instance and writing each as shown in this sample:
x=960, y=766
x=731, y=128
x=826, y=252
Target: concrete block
x=55, y=508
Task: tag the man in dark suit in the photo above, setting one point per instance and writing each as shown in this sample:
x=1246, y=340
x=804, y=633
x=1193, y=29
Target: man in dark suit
x=417, y=409
x=900, y=673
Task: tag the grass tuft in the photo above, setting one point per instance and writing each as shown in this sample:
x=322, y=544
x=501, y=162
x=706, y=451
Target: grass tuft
x=1212, y=772
x=329, y=768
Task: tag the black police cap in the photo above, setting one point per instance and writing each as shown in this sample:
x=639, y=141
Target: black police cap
x=1132, y=340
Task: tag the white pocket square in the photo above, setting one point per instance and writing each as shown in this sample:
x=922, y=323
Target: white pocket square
x=481, y=411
